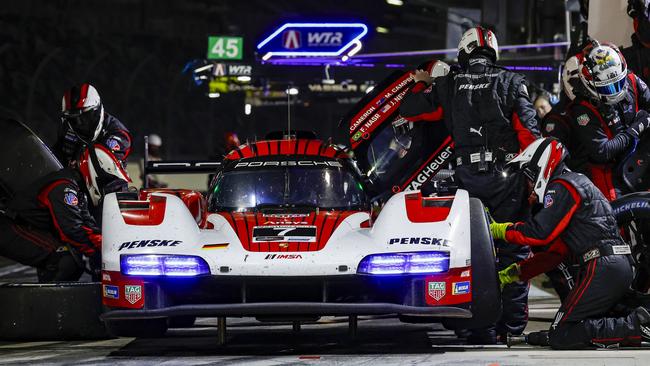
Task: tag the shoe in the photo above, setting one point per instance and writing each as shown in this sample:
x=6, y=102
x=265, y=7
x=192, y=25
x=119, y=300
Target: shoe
x=644, y=322
x=538, y=338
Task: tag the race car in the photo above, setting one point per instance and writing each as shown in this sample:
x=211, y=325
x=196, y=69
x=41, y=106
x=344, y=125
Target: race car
x=287, y=232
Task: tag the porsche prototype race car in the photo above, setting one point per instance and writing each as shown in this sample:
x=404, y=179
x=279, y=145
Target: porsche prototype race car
x=287, y=233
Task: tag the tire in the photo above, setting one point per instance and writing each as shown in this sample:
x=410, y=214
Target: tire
x=486, y=295
x=57, y=311
x=139, y=328
x=181, y=321
x=632, y=213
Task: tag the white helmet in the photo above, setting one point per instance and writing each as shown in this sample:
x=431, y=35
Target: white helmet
x=539, y=161
x=96, y=178
x=477, y=38
x=82, y=110
x=603, y=73
x=438, y=69
x=571, y=76
x=155, y=140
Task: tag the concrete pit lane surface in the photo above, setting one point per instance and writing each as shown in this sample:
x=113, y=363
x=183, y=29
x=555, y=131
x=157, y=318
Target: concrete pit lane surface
x=379, y=341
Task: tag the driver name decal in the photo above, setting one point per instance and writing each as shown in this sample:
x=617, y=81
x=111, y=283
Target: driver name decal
x=149, y=243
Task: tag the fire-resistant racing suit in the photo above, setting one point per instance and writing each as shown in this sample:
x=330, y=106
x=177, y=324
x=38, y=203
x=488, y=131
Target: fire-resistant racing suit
x=45, y=222
x=577, y=213
x=600, y=139
x=115, y=136
x=490, y=117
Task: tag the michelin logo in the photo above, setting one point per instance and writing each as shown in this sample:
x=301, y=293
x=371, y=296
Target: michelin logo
x=632, y=205
x=420, y=240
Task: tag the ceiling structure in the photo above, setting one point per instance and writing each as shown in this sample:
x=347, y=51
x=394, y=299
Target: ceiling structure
x=134, y=51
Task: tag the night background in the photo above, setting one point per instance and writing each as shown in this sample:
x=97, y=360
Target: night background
x=134, y=52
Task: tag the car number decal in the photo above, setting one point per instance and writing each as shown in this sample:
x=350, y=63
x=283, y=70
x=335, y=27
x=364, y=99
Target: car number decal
x=265, y=234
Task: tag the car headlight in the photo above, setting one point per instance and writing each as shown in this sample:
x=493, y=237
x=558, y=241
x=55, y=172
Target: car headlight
x=163, y=265
x=405, y=263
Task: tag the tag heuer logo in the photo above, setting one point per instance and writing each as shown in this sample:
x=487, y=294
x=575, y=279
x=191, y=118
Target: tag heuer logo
x=437, y=290
x=132, y=293
x=583, y=119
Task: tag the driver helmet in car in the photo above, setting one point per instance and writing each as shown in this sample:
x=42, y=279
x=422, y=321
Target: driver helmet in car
x=82, y=110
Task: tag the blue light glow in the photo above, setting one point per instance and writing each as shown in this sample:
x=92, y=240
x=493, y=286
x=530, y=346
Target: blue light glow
x=405, y=263
x=269, y=53
x=163, y=265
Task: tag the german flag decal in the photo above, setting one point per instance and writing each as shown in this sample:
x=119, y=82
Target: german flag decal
x=215, y=246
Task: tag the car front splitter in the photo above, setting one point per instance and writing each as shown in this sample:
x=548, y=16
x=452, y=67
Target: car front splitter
x=287, y=308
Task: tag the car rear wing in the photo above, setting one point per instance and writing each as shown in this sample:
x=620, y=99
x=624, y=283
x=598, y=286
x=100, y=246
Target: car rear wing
x=174, y=167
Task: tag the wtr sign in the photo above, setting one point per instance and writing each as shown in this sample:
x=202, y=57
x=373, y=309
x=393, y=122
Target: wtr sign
x=312, y=39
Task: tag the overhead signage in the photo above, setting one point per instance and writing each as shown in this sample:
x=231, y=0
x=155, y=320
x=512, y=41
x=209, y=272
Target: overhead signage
x=312, y=39
x=223, y=69
x=225, y=48
x=338, y=88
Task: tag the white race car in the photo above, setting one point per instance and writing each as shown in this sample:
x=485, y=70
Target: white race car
x=288, y=233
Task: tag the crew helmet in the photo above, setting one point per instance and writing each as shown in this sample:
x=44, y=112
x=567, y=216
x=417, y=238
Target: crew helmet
x=82, y=110
x=478, y=39
x=98, y=168
x=539, y=161
x=603, y=73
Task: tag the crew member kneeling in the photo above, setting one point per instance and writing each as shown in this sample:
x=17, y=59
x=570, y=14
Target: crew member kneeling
x=47, y=224
x=578, y=214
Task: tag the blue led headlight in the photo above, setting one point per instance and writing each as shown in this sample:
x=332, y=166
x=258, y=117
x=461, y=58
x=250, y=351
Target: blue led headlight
x=405, y=263
x=163, y=265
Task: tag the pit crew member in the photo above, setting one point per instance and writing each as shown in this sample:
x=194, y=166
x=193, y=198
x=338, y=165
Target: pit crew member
x=638, y=54
x=576, y=212
x=490, y=117
x=48, y=224
x=607, y=117
x=84, y=122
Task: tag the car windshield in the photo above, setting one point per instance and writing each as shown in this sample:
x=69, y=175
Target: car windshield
x=388, y=151
x=322, y=187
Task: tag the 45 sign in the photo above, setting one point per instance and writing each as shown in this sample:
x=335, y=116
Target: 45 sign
x=225, y=48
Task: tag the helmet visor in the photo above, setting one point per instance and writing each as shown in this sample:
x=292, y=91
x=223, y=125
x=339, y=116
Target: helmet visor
x=85, y=123
x=613, y=88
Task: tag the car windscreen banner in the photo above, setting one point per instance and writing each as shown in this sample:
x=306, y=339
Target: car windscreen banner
x=394, y=153
x=264, y=234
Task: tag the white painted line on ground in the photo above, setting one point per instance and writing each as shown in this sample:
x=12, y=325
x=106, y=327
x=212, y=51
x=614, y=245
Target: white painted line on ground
x=13, y=269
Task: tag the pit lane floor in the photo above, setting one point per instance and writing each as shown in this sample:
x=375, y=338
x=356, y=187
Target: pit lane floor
x=380, y=341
